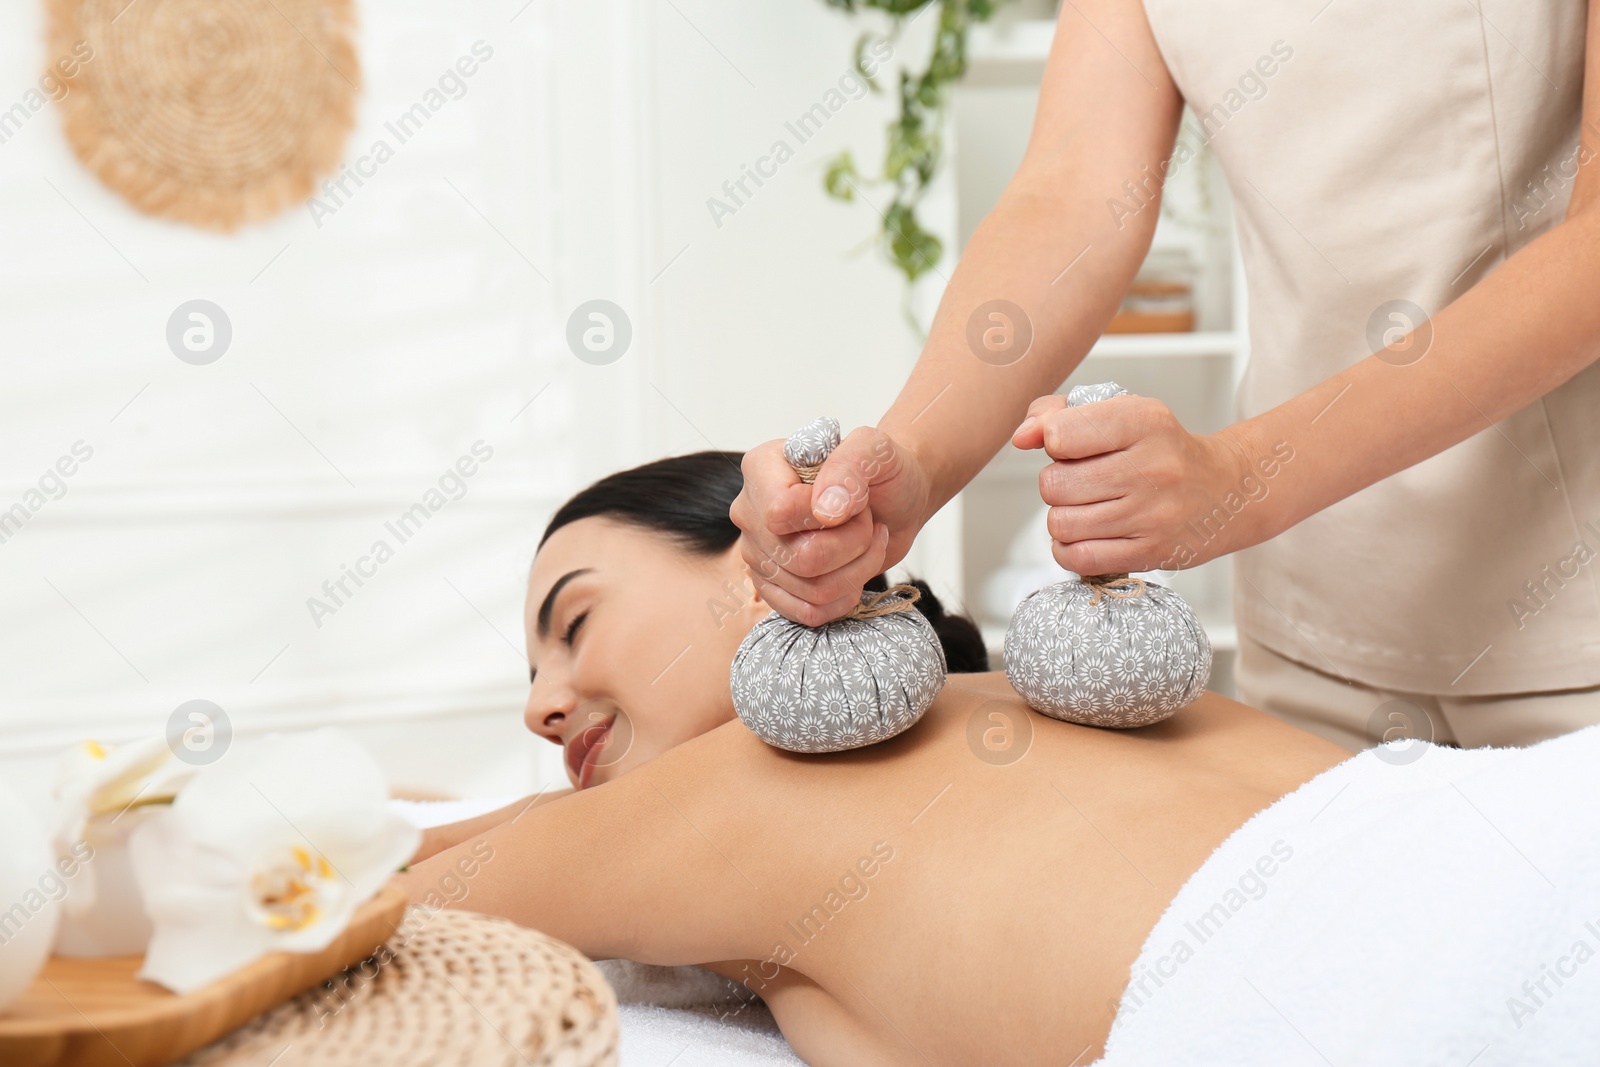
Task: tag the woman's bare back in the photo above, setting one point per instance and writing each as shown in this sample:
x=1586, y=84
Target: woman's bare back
x=963, y=893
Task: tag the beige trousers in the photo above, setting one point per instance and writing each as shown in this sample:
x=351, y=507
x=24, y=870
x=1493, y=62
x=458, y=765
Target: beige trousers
x=1357, y=716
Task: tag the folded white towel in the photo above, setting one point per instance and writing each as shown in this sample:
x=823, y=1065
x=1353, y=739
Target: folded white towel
x=682, y=1037
x=684, y=1015
x=678, y=987
x=1407, y=907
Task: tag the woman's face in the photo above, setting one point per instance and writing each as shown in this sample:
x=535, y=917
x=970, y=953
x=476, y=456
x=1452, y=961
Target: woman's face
x=630, y=638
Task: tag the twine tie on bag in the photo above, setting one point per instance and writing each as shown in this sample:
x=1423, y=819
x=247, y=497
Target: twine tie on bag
x=1118, y=586
x=893, y=599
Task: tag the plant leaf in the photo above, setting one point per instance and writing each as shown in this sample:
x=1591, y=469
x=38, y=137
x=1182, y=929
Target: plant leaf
x=915, y=143
x=839, y=177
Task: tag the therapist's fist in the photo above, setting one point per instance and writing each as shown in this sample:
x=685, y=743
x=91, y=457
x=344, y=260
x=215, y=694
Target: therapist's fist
x=812, y=548
x=1129, y=486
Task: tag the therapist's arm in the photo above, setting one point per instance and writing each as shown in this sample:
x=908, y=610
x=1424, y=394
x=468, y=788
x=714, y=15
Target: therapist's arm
x=1129, y=481
x=1054, y=247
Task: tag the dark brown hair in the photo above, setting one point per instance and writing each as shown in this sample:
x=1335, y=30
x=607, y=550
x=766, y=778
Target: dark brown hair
x=686, y=498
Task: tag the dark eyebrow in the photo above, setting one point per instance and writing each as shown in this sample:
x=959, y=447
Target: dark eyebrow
x=549, y=603
x=547, y=606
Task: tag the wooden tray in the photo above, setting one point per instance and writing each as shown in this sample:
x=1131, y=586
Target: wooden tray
x=1147, y=322
x=95, y=1013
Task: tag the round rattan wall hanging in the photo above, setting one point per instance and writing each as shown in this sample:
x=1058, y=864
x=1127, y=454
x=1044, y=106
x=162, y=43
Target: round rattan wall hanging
x=212, y=112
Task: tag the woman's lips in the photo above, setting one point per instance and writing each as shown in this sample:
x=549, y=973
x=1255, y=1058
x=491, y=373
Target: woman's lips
x=584, y=751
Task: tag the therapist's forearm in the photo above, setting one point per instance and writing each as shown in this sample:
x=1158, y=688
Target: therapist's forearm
x=1056, y=253
x=1054, y=246
x=1520, y=333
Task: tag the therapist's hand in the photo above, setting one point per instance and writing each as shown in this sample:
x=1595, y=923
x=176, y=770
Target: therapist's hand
x=1131, y=490
x=812, y=548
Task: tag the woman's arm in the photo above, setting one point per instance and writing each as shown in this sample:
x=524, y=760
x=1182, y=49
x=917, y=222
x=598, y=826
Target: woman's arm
x=1516, y=335
x=637, y=868
x=438, y=838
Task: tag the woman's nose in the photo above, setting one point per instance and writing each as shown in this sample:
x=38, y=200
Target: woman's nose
x=548, y=709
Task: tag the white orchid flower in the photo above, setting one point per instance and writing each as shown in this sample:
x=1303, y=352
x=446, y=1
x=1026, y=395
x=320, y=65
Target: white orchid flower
x=96, y=786
x=270, y=849
x=94, y=780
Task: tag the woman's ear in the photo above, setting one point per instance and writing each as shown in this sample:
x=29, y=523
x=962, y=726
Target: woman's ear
x=739, y=594
x=754, y=605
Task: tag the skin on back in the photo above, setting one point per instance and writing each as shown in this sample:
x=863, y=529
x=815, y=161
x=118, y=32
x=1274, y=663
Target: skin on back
x=918, y=901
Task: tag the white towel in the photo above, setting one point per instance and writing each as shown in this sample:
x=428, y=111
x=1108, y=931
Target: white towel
x=688, y=1037
x=1409, y=906
x=425, y=813
x=688, y=1015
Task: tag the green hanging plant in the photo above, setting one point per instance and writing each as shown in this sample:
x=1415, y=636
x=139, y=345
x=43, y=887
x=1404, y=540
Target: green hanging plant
x=916, y=139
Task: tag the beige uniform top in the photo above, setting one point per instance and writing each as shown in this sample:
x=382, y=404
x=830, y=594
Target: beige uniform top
x=1385, y=150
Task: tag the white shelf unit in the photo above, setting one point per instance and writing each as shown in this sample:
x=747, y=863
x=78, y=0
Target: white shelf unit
x=1195, y=373
x=1224, y=343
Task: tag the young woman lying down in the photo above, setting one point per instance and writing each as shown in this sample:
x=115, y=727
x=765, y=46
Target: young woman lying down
x=958, y=896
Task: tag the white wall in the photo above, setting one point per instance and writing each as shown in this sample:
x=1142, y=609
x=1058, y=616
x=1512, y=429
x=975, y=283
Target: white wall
x=371, y=351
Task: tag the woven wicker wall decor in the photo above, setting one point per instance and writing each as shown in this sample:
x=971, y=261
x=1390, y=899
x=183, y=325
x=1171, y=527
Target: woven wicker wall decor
x=212, y=112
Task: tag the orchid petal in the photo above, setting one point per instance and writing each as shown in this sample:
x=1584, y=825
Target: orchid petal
x=272, y=851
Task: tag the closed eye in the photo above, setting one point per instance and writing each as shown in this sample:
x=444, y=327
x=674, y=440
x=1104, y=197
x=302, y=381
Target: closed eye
x=566, y=639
